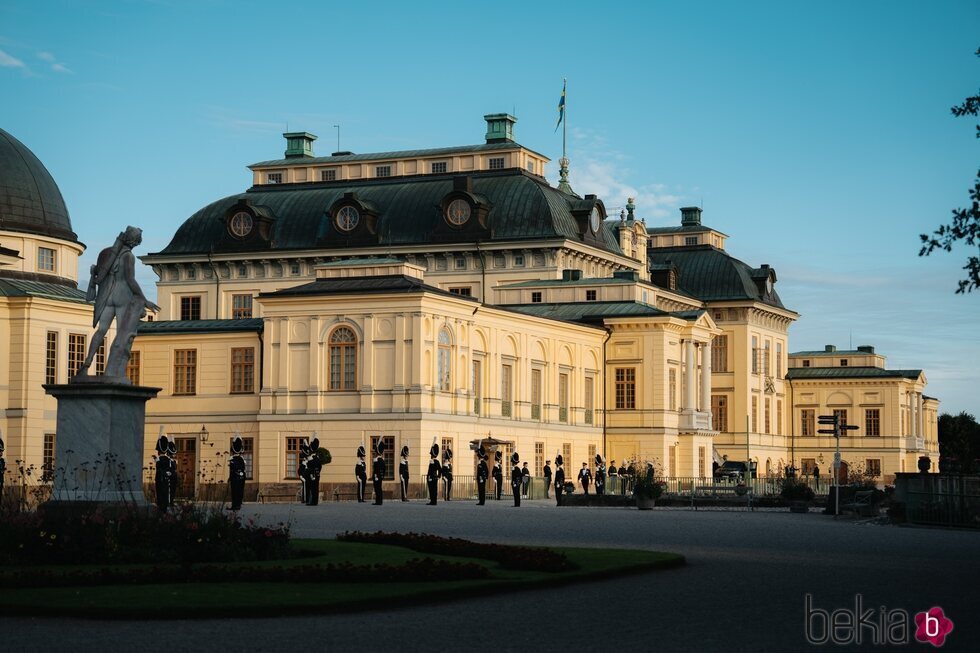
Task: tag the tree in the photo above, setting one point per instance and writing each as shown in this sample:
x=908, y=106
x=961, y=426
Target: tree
x=966, y=222
x=959, y=438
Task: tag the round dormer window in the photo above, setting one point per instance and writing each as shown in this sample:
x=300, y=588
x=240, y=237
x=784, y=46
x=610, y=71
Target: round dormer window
x=347, y=218
x=594, y=219
x=241, y=224
x=458, y=212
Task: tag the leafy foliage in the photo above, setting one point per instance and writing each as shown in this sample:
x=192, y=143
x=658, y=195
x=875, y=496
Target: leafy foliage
x=793, y=491
x=959, y=440
x=965, y=225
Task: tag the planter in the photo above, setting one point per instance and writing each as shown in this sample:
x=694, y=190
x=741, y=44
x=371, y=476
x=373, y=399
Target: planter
x=924, y=464
x=741, y=490
x=643, y=503
x=799, y=506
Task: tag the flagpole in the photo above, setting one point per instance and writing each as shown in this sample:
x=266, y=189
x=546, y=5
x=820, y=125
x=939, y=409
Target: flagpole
x=564, y=123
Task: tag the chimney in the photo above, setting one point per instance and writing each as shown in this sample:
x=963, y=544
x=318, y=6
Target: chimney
x=691, y=216
x=299, y=144
x=830, y=348
x=867, y=349
x=500, y=127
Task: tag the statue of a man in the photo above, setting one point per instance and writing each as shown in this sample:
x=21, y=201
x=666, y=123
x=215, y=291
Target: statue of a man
x=117, y=297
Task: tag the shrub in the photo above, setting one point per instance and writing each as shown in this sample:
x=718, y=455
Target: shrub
x=793, y=491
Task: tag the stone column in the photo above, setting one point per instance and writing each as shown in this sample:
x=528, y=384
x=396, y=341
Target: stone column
x=706, y=377
x=690, y=376
x=921, y=417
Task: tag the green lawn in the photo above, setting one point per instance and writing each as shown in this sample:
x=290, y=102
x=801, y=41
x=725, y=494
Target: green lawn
x=268, y=599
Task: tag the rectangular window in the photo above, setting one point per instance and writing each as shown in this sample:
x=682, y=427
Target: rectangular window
x=518, y=260
x=872, y=467
x=779, y=417
x=382, y=171
x=535, y=394
x=808, y=421
x=274, y=178
x=539, y=458
x=843, y=362
x=462, y=291
x=133, y=368
x=755, y=414
x=506, y=389
x=100, y=360
x=589, y=399
x=591, y=460
x=563, y=398
x=755, y=355
x=190, y=308
x=497, y=163
x=241, y=307
x=444, y=363
x=702, y=461
x=590, y=295
x=768, y=416
x=807, y=465
x=690, y=240
x=191, y=274
x=536, y=297
x=806, y=362
x=872, y=422
x=719, y=412
x=477, y=387
x=389, y=454
x=185, y=372
x=625, y=388
x=499, y=261
x=672, y=389
x=841, y=414
x=242, y=271
x=719, y=354
x=447, y=444
x=530, y=167
x=328, y=175
x=45, y=259
x=779, y=360
x=766, y=359
x=460, y=263
x=294, y=269
x=566, y=453
x=242, y=370
x=76, y=352
x=438, y=167
x=248, y=455
x=292, y=457
x=51, y=358
x=47, y=461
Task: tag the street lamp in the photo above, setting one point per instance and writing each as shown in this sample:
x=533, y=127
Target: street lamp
x=204, y=434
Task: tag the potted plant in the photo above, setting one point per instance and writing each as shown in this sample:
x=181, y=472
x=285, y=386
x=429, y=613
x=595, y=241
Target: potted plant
x=799, y=496
x=647, y=490
x=741, y=489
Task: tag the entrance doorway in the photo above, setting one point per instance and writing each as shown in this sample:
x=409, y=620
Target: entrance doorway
x=186, y=466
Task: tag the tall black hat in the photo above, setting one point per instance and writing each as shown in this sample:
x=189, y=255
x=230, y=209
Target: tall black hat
x=434, y=450
x=598, y=459
x=237, y=446
x=447, y=454
x=315, y=445
x=172, y=448
x=497, y=455
x=361, y=452
x=162, y=442
x=1, y=445
x=380, y=446
x=304, y=447
x=559, y=460
x=405, y=451
x=481, y=453
x=515, y=458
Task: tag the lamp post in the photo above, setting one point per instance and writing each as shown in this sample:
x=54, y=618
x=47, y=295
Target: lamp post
x=205, y=436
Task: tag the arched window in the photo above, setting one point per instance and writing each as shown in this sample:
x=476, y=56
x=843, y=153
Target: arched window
x=343, y=359
x=445, y=360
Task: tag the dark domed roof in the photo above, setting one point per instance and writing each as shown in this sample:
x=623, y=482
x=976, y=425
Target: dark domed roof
x=29, y=199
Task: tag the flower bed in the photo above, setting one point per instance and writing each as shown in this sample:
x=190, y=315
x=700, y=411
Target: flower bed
x=509, y=557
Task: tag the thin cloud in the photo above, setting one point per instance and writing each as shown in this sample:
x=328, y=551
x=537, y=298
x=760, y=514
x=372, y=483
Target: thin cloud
x=61, y=68
x=8, y=61
x=46, y=56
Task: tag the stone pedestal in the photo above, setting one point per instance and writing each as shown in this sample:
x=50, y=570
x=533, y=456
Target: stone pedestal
x=99, y=443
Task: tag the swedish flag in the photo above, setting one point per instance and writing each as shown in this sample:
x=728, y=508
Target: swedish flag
x=561, y=106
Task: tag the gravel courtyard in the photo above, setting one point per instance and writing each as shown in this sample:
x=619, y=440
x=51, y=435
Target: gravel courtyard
x=742, y=589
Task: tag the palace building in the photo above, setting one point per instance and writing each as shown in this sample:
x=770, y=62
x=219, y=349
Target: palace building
x=454, y=294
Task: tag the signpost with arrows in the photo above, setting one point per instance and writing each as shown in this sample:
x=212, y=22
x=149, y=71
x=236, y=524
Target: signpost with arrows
x=839, y=429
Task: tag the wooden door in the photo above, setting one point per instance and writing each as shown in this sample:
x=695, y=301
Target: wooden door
x=186, y=467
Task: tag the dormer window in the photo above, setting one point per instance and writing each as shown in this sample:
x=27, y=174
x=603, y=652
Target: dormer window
x=382, y=171
x=439, y=167
x=590, y=295
x=274, y=178
x=806, y=363
x=240, y=224
x=330, y=174
x=458, y=212
x=536, y=297
x=690, y=240
x=496, y=163
x=45, y=259
x=843, y=362
x=347, y=218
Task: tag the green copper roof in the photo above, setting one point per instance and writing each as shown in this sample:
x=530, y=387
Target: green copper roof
x=395, y=283
x=408, y=212
x=710, y=274
x=25, y=288
x=592, y=312
x=379, y=156
x=849, y=373
x=836, y=352
x=607, y=281
x=171, y=327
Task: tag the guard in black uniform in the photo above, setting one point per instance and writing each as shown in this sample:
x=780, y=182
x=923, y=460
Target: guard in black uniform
x=163, y=472
x=174, y=477
x=433, y=474
x=481, y=476
x=3, y=468
x=516, y=478
x=585, y=477
x=236, y=473
x=498, y=474
x=630, y=478
x=360, y=473
x=547, y=480
x=559, y=478
x=313, y=467
x=623, y=479
x=600, y=475
x=447, y=473
x=403, y=473
x=302, y=472
x=378, y=473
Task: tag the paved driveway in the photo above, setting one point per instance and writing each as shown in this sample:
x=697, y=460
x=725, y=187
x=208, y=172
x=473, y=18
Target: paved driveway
x=743, y=587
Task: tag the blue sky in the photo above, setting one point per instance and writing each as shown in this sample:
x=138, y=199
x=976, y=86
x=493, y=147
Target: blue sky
x=816, y=135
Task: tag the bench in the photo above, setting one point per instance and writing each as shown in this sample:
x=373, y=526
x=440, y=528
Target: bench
x=279, y=493
x=716, y=492
x=863, y=504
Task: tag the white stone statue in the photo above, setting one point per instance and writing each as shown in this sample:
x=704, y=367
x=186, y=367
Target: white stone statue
x=117, y=296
